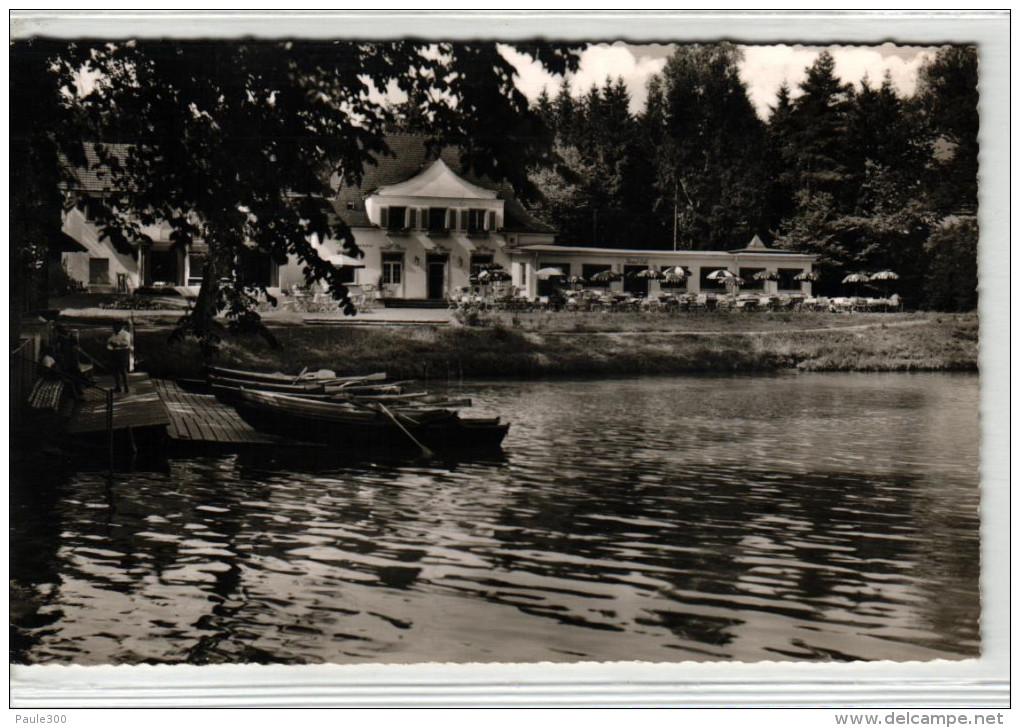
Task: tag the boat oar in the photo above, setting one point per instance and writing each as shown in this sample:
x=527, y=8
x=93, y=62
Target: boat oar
x=298, y=377
x=424, y=450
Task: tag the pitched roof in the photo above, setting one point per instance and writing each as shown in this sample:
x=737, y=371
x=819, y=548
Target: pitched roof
x=93, y=177
x=757, y=246
x=436, y=180
x=408, y=160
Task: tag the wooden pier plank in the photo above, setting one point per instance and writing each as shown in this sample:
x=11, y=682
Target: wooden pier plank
x=186, y=416
x=139, y=409
x=203, y=418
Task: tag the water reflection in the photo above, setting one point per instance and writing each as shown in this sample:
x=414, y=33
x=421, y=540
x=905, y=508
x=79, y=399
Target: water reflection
x=744, y=518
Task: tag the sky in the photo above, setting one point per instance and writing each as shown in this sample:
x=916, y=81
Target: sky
x=763, y=69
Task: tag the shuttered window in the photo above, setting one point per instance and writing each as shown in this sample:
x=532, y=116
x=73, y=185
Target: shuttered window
x=384, y=217
x=397, y=218
x=492, y=220
x=413, y=221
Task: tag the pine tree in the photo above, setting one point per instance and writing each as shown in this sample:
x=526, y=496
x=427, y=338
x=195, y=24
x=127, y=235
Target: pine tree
x=947, y=96
x=711, y=160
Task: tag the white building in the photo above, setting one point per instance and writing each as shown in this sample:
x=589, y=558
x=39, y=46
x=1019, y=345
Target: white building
x=425, y=226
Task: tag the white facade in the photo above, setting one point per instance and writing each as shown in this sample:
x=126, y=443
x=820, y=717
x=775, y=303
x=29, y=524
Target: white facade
x=422, y=238
x=427, y=235
x=585, y=262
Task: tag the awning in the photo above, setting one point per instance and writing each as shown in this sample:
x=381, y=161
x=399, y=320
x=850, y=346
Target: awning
x=465, y=241
x=425, y=241
x=61, y=242
x=344, y=261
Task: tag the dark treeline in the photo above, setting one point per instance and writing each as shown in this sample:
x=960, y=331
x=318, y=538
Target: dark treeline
x=864, y=177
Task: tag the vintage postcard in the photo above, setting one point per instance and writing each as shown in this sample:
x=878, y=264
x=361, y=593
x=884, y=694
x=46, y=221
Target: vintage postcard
x=356, y=345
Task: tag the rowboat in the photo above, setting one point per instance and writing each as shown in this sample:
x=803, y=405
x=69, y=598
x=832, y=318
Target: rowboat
x=320, y=376
x=358, y=425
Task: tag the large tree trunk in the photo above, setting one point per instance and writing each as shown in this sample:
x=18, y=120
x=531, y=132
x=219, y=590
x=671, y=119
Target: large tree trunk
x=204, y=313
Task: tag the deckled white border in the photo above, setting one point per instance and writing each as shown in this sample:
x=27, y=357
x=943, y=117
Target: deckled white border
x=970, y=683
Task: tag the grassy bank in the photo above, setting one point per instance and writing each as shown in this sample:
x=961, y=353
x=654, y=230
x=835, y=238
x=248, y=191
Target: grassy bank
x=563, y=345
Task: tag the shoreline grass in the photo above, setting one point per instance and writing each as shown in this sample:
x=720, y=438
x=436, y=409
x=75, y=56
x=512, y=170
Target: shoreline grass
x=553, y=345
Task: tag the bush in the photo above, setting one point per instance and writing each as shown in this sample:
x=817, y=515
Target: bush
x=60, y=282
x=136, y=303
x=473, y=317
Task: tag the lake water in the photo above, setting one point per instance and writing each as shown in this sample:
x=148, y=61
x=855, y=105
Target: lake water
x=792, y=517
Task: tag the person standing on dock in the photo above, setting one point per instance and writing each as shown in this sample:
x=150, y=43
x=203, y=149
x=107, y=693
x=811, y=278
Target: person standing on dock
x=120, y=345
x=65, y=355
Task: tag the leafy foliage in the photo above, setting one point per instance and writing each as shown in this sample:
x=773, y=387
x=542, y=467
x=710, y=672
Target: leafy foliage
x=42, y=125
x=241, y=145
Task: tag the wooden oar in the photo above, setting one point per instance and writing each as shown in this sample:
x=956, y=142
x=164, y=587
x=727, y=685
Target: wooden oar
x=298, y=377
x=424, y=450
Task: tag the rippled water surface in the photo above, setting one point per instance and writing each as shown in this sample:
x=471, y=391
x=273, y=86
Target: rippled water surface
x=808, y=517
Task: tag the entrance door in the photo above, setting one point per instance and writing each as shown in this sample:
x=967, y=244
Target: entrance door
x=436, y=277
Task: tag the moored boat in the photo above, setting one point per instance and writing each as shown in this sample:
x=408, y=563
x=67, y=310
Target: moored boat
x=357, y=424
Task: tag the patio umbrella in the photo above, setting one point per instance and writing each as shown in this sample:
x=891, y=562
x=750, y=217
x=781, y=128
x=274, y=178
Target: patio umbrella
x=605, y=276
x=726, y=276
x=807, y=275
x=766, y=275
x=496, y=275
x=576, y=279
x=653, y=274
x=857, y=279
x=547, y=273
x=676, y=271
x=885, y=275
x=344, y=261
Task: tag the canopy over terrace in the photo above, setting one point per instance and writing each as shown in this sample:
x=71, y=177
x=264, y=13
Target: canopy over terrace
x=781, y=265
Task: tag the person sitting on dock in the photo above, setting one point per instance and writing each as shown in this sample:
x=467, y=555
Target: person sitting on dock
x=119, y=345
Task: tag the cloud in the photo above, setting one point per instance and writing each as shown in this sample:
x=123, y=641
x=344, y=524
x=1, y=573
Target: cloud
x=764, y=68
x=597, y=62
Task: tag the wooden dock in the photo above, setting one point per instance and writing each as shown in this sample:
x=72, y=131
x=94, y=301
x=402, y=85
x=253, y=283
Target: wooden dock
x=162, y=408
x=201, y=418
x=138, y=409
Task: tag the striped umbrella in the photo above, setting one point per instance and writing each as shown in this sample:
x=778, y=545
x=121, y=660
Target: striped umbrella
x=857, y=279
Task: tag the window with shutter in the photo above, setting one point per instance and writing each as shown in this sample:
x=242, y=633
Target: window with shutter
x=464, y=220
x=413, y=222
x=398, y=218
x=384, y=217
x=492, y=220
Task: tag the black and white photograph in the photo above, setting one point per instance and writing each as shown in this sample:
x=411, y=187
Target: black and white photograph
x=329, y=350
